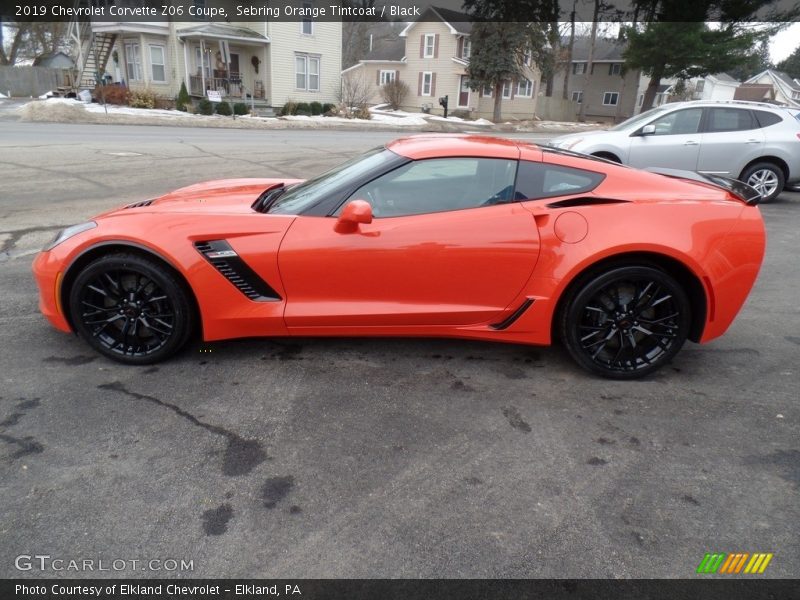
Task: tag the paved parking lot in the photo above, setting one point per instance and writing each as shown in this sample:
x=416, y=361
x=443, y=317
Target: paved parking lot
x=371, y=458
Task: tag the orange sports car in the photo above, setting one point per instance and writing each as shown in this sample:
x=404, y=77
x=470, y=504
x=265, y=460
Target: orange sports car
x=447, y=236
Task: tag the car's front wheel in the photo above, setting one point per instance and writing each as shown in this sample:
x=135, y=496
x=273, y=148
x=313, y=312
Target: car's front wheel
x=767, y=178
x=625, y=322
x=130, y=308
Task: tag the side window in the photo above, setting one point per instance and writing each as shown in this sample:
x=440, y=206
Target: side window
x=765, y=119
x=730, y=119
x=542, y=180
x=679, y=122
x=439, y=184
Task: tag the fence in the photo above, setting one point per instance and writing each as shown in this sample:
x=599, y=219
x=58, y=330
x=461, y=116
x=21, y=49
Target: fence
x=32, y=81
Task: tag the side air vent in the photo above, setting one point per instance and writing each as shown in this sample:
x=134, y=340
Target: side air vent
x=509, y=320
x=225, y=260
x=584, y=201
x=140, y=204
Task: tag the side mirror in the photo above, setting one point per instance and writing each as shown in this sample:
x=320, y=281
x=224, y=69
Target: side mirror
x=354, y=213
x=648, y=130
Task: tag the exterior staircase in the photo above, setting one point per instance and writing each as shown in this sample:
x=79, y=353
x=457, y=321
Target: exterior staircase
x=90, y=50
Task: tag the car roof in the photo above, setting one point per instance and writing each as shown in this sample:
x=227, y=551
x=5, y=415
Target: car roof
x=733, y=103
x=430, y=146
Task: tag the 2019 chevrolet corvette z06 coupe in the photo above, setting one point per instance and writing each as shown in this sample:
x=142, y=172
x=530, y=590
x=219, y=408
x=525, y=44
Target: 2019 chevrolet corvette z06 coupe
x=437, y=236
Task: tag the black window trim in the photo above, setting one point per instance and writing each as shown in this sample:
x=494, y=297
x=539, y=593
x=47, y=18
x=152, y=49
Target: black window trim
x=600, y=177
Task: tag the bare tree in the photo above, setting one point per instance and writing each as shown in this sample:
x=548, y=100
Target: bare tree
x=354, y=96
x=394, y=93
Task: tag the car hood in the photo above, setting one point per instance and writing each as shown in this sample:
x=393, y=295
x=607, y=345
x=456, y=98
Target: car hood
x=219, y=196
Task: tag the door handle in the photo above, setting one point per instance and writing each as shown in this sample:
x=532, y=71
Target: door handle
x=690, y=143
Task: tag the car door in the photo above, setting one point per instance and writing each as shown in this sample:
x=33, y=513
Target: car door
x=447, y=246
x=675, y=143
x=731, y=138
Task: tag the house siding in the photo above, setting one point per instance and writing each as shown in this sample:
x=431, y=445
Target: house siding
x=595, y=85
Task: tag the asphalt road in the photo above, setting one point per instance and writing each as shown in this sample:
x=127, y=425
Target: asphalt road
x=371, y=458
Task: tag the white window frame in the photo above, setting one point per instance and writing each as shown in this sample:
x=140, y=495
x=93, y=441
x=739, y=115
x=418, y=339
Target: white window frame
x=427, y=80
x=577, y=96
x=615, y=69
x=427, y=46
x=610, y=96
x=528, y=92
x=466, y=48
x=387, y=76
x=203, y=64
x=487, y=91
x=507, y=90
x=307, y=21
x=133, y=60
x=580, y=68
x=154, y=64
x=307, y=73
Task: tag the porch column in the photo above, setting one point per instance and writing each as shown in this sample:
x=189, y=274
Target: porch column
x=186, y=80
x=203, y=65
x=144, y=56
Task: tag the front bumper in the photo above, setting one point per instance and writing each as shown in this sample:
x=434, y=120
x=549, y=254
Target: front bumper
x=48, y=273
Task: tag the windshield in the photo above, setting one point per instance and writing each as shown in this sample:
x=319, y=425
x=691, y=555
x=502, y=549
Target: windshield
x=634, y=122
x=304, y=195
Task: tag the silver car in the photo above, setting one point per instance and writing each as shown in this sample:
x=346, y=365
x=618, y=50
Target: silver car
x=754, y=142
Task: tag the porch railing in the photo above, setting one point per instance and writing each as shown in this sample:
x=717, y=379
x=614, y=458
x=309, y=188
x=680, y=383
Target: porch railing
x=228, y=86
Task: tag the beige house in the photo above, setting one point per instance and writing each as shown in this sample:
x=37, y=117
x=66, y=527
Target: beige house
x=608, y=90
x=270, y=61
x=431, y=56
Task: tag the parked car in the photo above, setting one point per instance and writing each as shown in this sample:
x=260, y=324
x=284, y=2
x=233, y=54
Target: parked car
x=754, y=142
x=465, y=237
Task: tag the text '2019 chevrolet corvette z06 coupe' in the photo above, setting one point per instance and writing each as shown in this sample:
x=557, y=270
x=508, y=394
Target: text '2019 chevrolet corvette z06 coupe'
x=437, y=236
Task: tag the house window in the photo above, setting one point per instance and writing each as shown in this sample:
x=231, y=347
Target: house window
x=306, y=72
x=134, y=62
x=427, y=83
x=203, y=63
x=610, y=98
x=466, y=49
x=525, y=88
x=430, y=45
x=577, y=97
x=386, y=77
x=157, y=64
x=641, y=99
x=506, y=89
x=578, y=68
x=486, y=92
x=615, y=69
x=306, y=24
x=527, y=57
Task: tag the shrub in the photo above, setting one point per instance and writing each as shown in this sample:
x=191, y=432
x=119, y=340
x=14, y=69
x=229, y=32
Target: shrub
x=223, y=108
x=304, y=107
x=165, y=103
x=142, y=99
x=204, y=107
x=394, y=93
x=316, y=108
x=362, y=112
x=183, y=100
x=240, y=108
x=328, y=108
x=289, y=108
x=114, y=94
x=302, y=113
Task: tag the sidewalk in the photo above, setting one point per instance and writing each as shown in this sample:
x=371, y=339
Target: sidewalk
x=61, y=110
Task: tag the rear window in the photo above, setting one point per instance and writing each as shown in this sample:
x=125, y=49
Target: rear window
x=730, y=119
x=542, y=180
x=765, y=119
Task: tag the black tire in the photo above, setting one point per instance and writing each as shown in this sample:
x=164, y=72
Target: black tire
x=766, y=177
x=625, y=322
x=131, y=309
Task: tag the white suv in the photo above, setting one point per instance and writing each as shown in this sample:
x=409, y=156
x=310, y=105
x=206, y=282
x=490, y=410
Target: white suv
x=754, y=142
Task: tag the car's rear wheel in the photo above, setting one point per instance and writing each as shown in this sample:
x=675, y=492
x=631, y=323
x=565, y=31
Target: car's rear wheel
x=767, y=178
x=625, y=322
x=130, y=309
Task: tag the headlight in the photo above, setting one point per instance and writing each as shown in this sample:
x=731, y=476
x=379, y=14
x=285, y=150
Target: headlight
x=65, y=234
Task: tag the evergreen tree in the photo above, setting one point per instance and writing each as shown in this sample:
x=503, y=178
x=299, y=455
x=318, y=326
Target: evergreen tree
x=791, y=64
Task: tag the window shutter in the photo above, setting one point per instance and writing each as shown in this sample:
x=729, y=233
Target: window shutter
x=436, y=46
x=397, y=75
x=433, y=82
x=421, y=46
x=419, y=85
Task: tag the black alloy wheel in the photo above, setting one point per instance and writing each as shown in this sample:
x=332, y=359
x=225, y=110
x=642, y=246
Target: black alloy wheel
x=626, y=322
x=130, y=309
